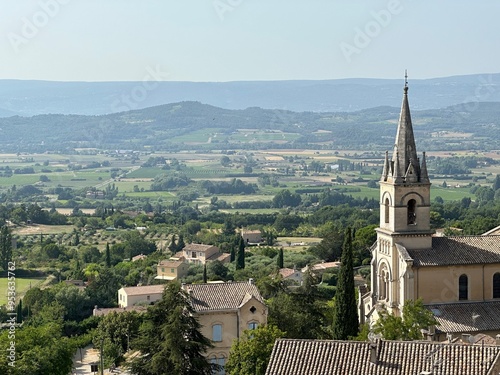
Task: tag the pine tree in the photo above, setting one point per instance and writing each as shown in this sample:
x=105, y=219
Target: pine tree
x=345, y=314
x=240, y=255
x=205, y=273
x=108, y=255
x=5, y=247
x=280, y=259
x=170, y=338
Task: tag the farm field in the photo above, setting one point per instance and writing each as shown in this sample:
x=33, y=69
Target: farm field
x=22, y=285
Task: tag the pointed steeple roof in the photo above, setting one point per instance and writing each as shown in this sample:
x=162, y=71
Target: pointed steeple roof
x=385, y=171
x=424, y=176
x=404, y=147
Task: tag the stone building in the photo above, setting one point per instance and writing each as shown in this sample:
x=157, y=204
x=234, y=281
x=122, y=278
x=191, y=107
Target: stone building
x=458, y=278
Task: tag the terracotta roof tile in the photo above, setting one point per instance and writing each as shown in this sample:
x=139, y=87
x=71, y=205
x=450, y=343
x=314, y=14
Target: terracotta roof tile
x=458, y=250
x=220, y=296
x=316, y=357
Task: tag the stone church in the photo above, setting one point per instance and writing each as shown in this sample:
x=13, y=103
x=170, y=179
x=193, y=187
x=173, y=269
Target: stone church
x=458, y=278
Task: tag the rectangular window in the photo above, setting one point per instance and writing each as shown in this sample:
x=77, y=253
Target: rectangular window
x=172, y=270
x=253, y=325
x=193, y=254
x=217, y=332
x=148, y=298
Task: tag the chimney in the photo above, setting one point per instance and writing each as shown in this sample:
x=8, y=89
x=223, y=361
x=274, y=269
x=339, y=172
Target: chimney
x=497, y=337
x=466, y=338
x=373, y=353
x=250, y=281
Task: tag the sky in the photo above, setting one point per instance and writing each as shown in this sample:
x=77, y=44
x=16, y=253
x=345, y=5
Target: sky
x=245, y=40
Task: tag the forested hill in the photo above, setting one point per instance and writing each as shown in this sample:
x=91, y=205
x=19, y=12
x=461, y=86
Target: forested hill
x=28, y=98
x=192, y=125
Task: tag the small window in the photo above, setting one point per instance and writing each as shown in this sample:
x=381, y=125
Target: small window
x=172, y=270
x=148, y=297
x=253, y=309
x=253, y=325
x=463, y=288
x=386, y=208
x=193, y=254
x=412, y=215
x=217, y=332
x=496, y=285
x=162, y=269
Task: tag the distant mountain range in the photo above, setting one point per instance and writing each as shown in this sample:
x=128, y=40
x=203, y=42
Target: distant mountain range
x=29, y=98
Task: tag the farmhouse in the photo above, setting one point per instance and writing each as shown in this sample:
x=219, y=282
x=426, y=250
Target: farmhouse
x=148, y=294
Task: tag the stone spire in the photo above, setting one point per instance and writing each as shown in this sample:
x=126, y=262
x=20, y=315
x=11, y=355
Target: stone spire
x=405, y=152
x=424, y=176
x=386, y=170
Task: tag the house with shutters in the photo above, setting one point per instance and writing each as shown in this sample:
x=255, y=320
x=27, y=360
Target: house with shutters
x=225, y=311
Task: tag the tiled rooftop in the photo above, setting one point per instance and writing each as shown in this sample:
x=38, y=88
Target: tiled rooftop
x=286, y=272
x=220, y=296
x=316, y=357
x=197, y=247
x=146, y=289
x=457, y=317
x=458, y=250
x=170, y=263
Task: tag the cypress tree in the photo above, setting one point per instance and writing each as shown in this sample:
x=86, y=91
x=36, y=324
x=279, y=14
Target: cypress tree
x=280, y=259
x=240, y=255
x=5, y=247
x=108, y=256
x=173, y=246
x=345, y=314
x=19, y=312
x=496, y=183
x=205, y=273
x=180, y=244
x=232, y=254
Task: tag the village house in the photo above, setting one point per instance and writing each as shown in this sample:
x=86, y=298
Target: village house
x=200, y=254
x=252, y=237
x=133, y=295
x=171, y=269
x=225, y=310
x=291, y=274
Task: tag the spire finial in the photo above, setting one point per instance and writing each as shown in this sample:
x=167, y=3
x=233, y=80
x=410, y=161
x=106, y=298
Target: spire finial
x=406, y=81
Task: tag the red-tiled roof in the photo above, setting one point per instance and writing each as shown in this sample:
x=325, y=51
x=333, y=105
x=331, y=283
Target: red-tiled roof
x=316, y=357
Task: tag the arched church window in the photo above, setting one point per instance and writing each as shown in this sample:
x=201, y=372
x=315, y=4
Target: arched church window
x=463, y=288
x=386, y=210
x=496, y=285
x=412, y=215
x=383, y=283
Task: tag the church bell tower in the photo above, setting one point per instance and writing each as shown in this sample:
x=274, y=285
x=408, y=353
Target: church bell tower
x=404, y=215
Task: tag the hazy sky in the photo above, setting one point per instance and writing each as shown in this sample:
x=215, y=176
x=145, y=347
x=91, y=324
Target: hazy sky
x=230, y=40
